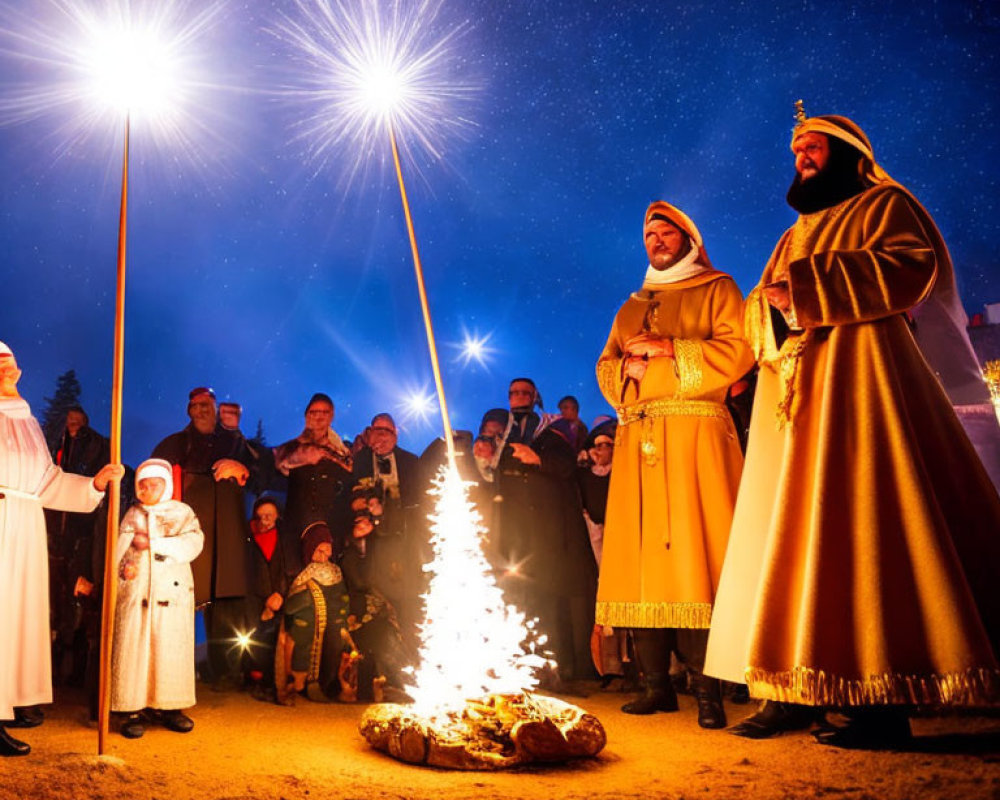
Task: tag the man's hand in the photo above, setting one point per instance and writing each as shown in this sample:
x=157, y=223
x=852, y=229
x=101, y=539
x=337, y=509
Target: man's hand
x=777, y=295
x=226, y=468
x=362, y=527
x=275, y=601
x=140, y=541
x=636, y=368
x=645, y=344
x=525, y=454
x=83, y=587
x=106, y=474
x=483, y=449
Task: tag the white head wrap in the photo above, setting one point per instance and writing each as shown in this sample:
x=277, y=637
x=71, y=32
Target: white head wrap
x=157, y=468
x=6, y=351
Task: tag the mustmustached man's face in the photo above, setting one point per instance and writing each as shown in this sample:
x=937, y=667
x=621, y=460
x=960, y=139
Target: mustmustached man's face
x=663, y=243
x=812, y=151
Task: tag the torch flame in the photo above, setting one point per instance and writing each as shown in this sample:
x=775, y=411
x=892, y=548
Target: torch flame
x=473, y=643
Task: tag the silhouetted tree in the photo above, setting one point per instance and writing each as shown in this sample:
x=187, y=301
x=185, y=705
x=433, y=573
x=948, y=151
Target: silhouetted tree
x=258, y=438
x=66, y=396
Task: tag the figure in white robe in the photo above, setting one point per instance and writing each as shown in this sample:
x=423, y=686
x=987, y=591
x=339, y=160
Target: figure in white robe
x=152, y=662
x=29, y=482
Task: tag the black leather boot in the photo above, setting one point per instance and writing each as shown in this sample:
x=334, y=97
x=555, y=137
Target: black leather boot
x=652, y=651
x=870, y=728
x=9, y=746
x=708, y=693
x=132, y=726
x=26, y=717
x=175, y=720
x=658, y=695
x=774, y=719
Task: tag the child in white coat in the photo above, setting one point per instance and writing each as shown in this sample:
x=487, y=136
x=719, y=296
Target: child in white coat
x=153, y=651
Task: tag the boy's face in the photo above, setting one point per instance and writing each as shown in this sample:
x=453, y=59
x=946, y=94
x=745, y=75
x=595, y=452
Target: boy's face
x=323, y=552
x=150, y=490
x=267, y=515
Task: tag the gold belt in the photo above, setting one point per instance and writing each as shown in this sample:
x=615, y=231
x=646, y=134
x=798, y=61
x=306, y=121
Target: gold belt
x=671, y=408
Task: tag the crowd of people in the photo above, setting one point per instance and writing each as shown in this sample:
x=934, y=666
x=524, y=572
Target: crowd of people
x=315, y=593
x=848, y=566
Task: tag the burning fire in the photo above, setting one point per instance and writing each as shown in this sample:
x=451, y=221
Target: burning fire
x=473, y=643
x=473, y=707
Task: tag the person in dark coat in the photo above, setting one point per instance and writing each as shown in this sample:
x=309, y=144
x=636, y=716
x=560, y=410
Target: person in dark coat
x=550, y=570
x=262, y=473
x=318, y=466
x=382, y=555
x=569, y=410
x=270, y=579
x=211, y=467
x=83, y=451
x=593, y=478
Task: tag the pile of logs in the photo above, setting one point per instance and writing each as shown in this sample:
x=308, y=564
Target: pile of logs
x=496, y=732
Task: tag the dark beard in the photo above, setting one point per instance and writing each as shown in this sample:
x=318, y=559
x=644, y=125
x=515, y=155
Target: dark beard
x=837, y=181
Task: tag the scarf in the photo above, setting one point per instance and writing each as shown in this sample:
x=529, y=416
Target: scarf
x=687, y=267
x=267, y=540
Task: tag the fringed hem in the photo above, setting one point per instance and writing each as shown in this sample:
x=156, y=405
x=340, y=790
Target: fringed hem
x=971, y=687
x=654, y=615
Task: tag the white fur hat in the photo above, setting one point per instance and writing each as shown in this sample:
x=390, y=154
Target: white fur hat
x=157, y=468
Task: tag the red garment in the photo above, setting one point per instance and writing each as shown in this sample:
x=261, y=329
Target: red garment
x=266, y=540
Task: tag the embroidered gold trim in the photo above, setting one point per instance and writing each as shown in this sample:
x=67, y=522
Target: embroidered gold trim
x=818, y=688
x=755, y=320
x=671, y=408
x=316, y=649
x=654, y=615
x=607, y=378
x=789, y=362
x=689, y=362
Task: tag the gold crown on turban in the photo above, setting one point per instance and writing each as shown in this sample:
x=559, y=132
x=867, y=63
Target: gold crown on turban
x=847, y=131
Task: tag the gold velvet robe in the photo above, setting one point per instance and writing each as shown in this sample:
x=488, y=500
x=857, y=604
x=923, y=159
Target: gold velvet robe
x=677, y=460
x=865, y=551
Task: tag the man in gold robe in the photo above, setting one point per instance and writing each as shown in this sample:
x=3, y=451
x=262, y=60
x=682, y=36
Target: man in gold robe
x=674, y=350
x=862, y=565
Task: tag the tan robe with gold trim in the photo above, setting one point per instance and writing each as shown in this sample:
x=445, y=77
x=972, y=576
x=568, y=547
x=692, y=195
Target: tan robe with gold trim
x=675, y=471
x=865, y=551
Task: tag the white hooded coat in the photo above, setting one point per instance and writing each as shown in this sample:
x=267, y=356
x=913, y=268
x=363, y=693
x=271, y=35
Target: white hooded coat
x=152, y=662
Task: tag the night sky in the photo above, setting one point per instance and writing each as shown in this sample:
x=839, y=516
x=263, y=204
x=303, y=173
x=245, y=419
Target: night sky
x=270, y=274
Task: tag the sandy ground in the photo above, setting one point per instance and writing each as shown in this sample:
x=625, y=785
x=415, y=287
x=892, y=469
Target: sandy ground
x=241, y=748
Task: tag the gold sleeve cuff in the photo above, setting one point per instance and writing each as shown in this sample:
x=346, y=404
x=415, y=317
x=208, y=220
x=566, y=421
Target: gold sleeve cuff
x=688, y=361
x=608, y=379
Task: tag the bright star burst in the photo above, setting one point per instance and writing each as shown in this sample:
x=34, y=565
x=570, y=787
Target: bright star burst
x=89, y=62
x=475, y=348
x=364, y=66
x=243, y=640
x=418, y=405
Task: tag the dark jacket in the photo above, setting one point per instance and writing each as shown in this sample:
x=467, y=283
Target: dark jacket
x=221, y=569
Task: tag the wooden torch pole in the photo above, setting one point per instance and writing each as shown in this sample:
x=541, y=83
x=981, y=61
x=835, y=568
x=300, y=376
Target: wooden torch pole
x=114, y=487
x=449, y=437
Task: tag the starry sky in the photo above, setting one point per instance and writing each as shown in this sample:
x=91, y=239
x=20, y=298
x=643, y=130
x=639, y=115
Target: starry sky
x=269, y=273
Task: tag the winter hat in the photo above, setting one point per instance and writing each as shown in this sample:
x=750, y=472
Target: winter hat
x=157, y=468
x=312, y=537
